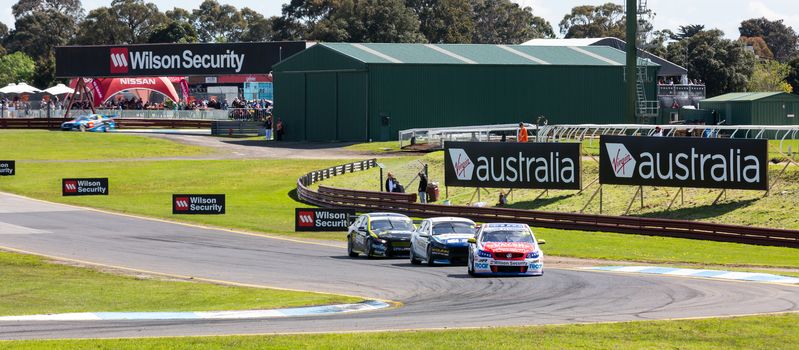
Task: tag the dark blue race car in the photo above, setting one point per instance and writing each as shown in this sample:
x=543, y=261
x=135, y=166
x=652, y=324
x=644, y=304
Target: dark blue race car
x=91, y=122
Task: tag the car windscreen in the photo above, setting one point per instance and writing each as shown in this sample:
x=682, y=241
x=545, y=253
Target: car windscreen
x=519, y=236
x=398, y=224
x=453, y=227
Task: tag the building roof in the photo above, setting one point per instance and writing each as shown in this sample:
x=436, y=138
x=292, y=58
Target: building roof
x=747, y=96
x=667, y=68
x=379, y=53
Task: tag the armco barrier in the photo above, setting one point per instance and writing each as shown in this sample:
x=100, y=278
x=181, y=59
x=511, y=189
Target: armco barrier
x=122, y=123
x=405, y=203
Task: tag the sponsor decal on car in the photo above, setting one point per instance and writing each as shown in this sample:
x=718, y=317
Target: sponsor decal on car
x=7, y=167
x=481, y=266
x=84, y=187
x=535, y=266
x=322, y=219
x=198, y=204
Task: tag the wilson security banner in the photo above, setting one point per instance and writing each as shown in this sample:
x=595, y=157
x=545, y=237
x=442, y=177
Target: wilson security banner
x=512, y=165
x=154, y=60
x=684, y=162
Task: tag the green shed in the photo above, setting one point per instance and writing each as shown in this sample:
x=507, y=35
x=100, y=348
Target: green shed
x=365, y=92
x=754, y=108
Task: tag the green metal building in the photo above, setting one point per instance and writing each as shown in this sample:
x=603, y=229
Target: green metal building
x=362, y=92
x=754, y=108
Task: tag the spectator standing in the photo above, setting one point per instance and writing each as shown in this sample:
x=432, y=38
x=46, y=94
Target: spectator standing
x=279, y=129
x=268, y=128
x=522, y=135
x=391, y=183
x=422, y=187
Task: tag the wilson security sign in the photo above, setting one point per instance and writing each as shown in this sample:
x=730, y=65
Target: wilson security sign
x=512, y=165
x=684, y=162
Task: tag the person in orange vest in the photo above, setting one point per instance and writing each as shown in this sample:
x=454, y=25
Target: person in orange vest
x=522, y=136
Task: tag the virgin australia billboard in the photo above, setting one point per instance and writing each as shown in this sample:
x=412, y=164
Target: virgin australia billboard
x=684, y=162
x=512, y=165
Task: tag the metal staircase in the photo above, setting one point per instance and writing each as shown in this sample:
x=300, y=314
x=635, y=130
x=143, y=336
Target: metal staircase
x=646, y=110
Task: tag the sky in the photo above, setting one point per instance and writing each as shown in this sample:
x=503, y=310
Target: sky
x=722, y=14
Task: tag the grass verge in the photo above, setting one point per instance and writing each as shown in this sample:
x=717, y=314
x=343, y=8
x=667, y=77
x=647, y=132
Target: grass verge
x=756, y=332
x=31, y=285
x=260, y=193
x=748, y=208
x=54, y=145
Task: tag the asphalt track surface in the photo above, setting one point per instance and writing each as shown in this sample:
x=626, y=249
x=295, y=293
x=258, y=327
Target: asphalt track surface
x=432, y=297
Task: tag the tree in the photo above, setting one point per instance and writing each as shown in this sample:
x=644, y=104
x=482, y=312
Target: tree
x=125, y=22
x=759, y=47
x=218, y=23
x=723, y=64
x=793, y=75
x=68, y=8
x=780, y=38
x=3, y=35
x=348, y=21
x=257, y=28
x=101, y=27
x=179, y=14
x=16, y=67
x=444, y=21
x=769, y=76
x=589, y=21
x=685, y=32
x=40, y=26
x=504, y=22
x=385, y=21
x=174, y=32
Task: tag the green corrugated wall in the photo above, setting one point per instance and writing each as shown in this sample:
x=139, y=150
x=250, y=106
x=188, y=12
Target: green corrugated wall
x=417, y=96
x=323, y=96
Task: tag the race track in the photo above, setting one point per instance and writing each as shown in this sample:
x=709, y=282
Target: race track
x=432, y=297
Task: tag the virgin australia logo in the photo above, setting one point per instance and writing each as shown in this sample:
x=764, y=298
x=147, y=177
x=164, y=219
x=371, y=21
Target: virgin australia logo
x=464, y=167
x=621, y=161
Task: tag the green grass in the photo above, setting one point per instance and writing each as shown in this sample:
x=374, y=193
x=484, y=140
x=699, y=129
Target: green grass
x=615, y=246
x=737, y=207
x=31, y=285
x=53, y=145
x=757, y=332
x=375, y=147
x=260, y=193
x=261, y=198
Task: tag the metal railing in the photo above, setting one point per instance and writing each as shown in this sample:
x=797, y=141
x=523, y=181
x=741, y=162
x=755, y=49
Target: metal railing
x=681, y=90
x=374, y=201
x=202, y=114
x=435, y=137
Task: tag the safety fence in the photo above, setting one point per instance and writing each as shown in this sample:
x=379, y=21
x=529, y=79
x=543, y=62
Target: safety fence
x=405, y=203
x=252, y=114
x=129, y=123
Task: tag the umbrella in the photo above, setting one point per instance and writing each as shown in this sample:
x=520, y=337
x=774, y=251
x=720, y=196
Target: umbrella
x=25, y=88
x=8, y=89
x=59, y=90
x=20, y=88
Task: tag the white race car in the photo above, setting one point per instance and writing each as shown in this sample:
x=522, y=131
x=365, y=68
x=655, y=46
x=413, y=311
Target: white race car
x=505, y=249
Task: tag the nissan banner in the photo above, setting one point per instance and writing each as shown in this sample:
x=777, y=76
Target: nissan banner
x=172, y=59
x=512, y=165
x=684, y=162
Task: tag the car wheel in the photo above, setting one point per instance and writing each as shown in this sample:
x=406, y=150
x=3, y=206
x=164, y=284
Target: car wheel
x=105, y=128
x=471, y=265
x=82, y=128
x=430, y=261
x=350, y=252
x=414, y=259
